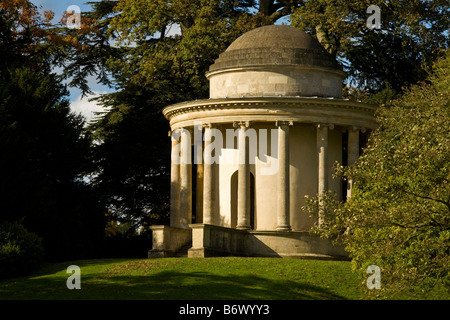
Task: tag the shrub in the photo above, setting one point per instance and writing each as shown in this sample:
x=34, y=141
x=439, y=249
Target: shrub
x=20, y=250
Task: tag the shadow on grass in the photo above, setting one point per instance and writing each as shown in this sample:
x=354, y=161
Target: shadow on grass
x=170, y=285
x=50, y=268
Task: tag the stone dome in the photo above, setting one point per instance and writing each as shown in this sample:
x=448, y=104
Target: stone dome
x=275, y=60
x=275, y=44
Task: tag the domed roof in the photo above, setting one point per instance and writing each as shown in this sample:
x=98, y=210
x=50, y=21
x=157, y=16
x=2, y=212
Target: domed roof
x=275, y=36
x=274, y=45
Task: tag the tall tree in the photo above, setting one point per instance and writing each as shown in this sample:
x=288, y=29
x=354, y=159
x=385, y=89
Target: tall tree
x=44, y=147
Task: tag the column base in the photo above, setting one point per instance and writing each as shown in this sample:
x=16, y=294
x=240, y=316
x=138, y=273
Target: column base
x=283, y=228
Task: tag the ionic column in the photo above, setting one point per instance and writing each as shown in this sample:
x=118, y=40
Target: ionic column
x=283, y=194
x=353, y=153
x=243, y=198
x=322, y=150
x=175, y=181
x=185, y=180
x=208, y=179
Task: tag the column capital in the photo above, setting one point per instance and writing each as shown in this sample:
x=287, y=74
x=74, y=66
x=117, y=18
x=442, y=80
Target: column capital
x=322, y=125
x=356, y=128
x=280, y=123
x=179, y=131
x=240, y=124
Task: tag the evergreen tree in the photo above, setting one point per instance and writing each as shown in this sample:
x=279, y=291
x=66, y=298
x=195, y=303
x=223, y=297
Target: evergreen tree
x=44, y=147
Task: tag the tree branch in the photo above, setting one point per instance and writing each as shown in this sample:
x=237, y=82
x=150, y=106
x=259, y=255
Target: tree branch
x=272, y=10
x=281, y=13
x=446, y=203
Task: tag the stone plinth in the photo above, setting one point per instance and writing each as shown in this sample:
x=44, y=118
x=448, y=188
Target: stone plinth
x=209, y=241
x=169, y=241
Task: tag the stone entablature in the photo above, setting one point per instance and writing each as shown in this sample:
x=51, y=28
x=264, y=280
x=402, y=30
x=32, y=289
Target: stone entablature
x=270, y=109
x=274, y=56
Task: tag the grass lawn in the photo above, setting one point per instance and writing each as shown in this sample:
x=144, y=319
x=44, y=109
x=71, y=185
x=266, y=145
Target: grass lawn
x=191, y=279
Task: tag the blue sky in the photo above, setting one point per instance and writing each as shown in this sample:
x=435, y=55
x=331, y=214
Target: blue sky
x=59, y=6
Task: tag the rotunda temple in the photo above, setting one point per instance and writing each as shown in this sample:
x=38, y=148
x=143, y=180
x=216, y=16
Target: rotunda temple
x=244, y=159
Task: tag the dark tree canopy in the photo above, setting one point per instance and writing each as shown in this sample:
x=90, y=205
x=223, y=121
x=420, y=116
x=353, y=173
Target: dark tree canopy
x=44, y=146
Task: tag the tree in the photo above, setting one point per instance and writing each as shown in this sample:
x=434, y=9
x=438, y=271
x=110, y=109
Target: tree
x=44, y=147
x=398, y=216
x=397, y=55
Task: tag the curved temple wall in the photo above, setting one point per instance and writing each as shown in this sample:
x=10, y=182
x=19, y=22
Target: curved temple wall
x=276, y=81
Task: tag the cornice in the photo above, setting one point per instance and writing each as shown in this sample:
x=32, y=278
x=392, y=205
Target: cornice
x=275, y=68
x=264, y=103
x=268, y=109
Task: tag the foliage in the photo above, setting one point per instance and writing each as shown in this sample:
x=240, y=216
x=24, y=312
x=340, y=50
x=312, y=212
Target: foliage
x=411, y=37
x=20, y=251
x=122, y=240
x=399, y=214
x=45, y=150
x=131, y=41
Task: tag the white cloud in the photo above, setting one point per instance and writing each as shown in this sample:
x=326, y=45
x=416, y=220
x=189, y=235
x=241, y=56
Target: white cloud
x=85, y=107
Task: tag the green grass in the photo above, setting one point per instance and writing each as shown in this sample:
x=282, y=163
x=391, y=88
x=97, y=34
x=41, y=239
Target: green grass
x=190, y=279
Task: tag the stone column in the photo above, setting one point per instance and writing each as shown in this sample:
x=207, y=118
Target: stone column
x=175, y=181
x=283, y=186
x=243, y=198
x=199, y=194
x=353, y=153
x=322, y=151
x=185, y=180
x=208, y=179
